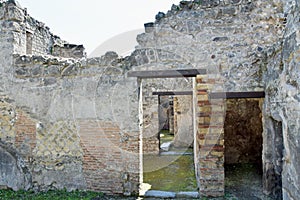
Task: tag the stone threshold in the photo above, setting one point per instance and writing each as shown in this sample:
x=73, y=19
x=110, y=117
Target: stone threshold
x=165, y=194
x=174, y=153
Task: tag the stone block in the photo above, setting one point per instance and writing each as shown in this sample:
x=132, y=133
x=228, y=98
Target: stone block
x=202, y=86
x=217, y=120
x=204, y=120
x=2, y=14
x=217, y=108
x=217, y=154
x=160, y=194
x=203, y=131
x=13, y=174
x=202, y=97
x=15, y=14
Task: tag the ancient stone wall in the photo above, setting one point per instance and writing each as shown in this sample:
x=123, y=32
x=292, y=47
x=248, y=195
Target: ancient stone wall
x=229, y=39
x=225, y=37
x=72, y=127
x=281, y=120
x=183, y=115
x=164, y=112
x=31, y=36
x=85, y=111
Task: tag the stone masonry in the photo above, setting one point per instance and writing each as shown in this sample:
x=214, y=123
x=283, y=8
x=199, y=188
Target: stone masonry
x=183, y=123
x=73, y=122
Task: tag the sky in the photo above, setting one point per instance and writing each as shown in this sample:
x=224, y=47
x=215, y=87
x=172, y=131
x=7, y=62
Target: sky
x=97, y=24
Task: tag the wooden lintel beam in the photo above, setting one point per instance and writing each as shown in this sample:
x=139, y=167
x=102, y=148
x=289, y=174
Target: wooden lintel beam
x=236, y=95
x=167, y=73
x=172, y=93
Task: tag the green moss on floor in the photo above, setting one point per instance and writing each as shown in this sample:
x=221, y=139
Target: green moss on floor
x=244, y=181
x=177, y=173
x=166, y=136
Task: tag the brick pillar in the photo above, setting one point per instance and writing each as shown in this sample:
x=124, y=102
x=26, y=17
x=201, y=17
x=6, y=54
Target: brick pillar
x=210, y=138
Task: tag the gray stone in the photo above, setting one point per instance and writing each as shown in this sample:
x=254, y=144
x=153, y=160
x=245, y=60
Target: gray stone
x=165, y=146
x=159, y=16
x=13, y=173
x=160, y=194
x=70, y=70
x=187, y=195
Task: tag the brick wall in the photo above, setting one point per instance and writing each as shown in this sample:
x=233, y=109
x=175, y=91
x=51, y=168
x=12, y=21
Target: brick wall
x=110, y=161
x=210, y=140
x=25, y=134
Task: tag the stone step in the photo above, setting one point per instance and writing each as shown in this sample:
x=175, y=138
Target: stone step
x=194, y=195
x=160, y=194
x=174, y=153
x=166, y=146
x=165, y=194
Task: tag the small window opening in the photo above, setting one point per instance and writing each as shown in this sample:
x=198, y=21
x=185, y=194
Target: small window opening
x=29, y=38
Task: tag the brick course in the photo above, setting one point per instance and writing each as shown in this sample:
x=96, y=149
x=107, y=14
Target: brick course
x=210, y=140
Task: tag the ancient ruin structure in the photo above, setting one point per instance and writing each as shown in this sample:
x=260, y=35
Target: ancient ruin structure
x=67, y=121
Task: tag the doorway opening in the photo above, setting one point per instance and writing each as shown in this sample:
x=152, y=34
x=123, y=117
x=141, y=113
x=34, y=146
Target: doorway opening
x=173, y=168
x=175, y=116
x=29, y=42
x=166, y=121
x=155, y=162
x=243, y=147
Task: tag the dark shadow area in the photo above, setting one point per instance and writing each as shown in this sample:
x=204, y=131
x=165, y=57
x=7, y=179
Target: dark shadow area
x=244, y=182
x=243, y=149
x=166, y=121
x=274, y=147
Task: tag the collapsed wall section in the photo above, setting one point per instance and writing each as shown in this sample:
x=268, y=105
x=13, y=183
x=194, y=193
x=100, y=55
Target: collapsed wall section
x=30, y=36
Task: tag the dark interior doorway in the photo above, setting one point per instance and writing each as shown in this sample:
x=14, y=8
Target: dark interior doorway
x=166, y=120
x=243, y=148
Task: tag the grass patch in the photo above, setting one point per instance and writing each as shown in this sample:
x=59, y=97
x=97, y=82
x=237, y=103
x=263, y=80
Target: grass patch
x=50, y=195
x=166, y=136
x=178, y=175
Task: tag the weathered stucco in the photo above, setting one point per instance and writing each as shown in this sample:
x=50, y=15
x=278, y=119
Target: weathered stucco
x=63, y=115
x=281, y=120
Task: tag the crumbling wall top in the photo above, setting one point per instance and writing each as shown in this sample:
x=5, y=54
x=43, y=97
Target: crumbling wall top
x=32, y=36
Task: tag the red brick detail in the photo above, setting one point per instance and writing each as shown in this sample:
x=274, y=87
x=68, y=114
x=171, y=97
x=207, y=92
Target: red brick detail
x=25, y=130
x=111, y=158
x=210, y=142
